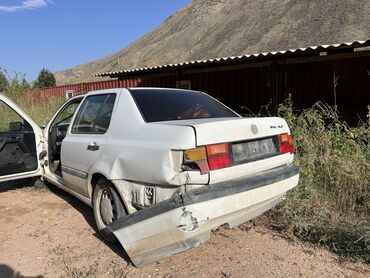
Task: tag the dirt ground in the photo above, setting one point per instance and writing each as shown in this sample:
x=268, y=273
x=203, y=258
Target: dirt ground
x=48, y=233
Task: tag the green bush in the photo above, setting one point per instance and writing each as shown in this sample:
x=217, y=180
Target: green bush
x=331, y=204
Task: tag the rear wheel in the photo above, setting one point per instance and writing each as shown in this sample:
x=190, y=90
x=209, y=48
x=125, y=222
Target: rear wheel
x=107, y=206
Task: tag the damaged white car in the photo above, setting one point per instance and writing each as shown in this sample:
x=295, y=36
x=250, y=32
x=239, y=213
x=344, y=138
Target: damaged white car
x=161, y=168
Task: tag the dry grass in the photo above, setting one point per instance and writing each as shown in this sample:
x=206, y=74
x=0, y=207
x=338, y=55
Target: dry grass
x=40, y=111
x=331, y=204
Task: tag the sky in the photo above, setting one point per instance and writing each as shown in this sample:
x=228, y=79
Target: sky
x=60, y=34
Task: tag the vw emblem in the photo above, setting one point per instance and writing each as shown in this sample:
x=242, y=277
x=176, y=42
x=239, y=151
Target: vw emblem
x=254, y=129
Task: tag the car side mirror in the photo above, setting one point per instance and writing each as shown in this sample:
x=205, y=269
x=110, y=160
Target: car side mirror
x=15, y=126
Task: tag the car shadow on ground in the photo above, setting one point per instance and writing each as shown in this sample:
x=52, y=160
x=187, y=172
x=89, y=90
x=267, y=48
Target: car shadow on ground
x=7, y=271
x=14, y=185
x=78, y=205
x=88, y=214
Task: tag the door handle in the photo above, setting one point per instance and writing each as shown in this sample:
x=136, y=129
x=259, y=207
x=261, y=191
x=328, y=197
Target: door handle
x=93, y=147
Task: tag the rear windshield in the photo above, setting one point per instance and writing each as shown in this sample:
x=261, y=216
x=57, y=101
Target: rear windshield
x=170, y=105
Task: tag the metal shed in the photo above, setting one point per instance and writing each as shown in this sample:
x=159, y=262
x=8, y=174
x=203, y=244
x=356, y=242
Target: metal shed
x=338, y=74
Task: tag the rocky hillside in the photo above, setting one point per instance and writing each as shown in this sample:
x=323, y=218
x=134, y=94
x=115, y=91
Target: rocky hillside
x=218, y=28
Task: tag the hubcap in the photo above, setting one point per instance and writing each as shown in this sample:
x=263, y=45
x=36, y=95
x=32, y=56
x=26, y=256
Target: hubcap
x=107, y=208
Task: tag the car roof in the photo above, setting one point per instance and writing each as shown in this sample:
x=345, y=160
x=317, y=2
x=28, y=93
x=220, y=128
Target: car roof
x=156, y=88
x=122, y=90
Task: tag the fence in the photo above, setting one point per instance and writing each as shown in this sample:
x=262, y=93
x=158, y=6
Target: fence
x=43, y=94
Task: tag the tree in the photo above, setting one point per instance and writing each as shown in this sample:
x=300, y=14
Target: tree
x=45, y=79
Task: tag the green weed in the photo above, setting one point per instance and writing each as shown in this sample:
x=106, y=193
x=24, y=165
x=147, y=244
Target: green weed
x=331, y=204
x=39, y=110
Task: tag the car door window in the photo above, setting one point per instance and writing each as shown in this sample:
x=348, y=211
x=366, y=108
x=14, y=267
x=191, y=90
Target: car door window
x=66, y=115
x=9, y=119
x=94, y=115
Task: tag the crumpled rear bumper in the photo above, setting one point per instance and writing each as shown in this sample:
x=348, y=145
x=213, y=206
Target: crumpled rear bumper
x=186, y=220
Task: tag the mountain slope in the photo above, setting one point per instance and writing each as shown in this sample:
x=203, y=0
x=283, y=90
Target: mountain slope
x=217, y=28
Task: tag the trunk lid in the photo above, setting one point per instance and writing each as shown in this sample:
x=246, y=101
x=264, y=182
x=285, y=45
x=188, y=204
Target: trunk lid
x=225, y=130
x=238, y=129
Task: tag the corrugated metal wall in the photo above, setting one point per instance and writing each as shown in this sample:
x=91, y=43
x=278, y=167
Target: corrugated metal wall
x=311, y=82
x=60, y=91
x=236, y=88
x=254, y=87
x=306, y=83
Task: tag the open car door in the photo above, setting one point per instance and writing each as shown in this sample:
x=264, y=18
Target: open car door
x=21, y=142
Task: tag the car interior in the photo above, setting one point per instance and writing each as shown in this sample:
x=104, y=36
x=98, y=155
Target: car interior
x=57, y=133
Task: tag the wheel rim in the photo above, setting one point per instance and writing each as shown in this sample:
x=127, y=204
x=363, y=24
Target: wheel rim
x=107, y=208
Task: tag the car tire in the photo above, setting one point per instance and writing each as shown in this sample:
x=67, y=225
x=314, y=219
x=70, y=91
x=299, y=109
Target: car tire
x=107, y=207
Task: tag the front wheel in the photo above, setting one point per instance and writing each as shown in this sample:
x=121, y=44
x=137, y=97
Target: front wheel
x=107, y=206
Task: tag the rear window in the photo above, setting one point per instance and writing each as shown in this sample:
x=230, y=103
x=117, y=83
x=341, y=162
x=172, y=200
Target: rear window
x=170, y=105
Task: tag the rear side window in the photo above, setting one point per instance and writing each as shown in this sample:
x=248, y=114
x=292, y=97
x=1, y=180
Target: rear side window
x=170, y=105
x=94, y=115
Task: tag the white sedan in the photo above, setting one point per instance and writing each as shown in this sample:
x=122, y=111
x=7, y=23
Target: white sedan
x=161, y=168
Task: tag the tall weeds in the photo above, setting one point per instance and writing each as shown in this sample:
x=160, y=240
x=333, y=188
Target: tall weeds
x=331, y=204
x=40, y=111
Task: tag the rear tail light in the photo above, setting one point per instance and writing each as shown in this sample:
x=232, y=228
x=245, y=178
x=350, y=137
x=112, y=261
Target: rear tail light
x=219, y=162
x=195, y=154
x=198, y=157
x=218, y=156
x=211, y=157
x=217, y=149
x=286, y=143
